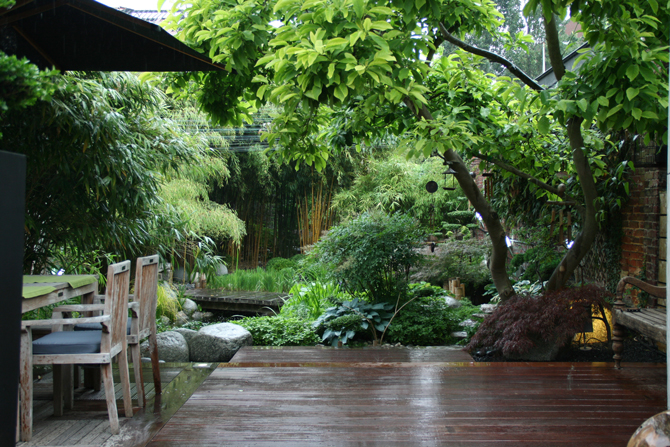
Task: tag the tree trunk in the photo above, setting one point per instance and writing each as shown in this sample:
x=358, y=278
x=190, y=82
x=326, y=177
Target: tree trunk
x=584, y=241
x=498, y=261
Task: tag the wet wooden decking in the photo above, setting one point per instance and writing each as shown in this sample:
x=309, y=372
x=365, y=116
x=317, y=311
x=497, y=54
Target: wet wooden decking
x=346, y=397
x=87, y=423
x=261, y=303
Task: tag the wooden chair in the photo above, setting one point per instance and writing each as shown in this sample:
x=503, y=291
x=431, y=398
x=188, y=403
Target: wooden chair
x=143, y=322
x=650, y=322
x=81, y=347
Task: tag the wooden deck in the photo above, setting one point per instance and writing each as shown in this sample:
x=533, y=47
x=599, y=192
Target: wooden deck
x=261, y=303
x=87, y=423
x=433, y=396
x=370, y=396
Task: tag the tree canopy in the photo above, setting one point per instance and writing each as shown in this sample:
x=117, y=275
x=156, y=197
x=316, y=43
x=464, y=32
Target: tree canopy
x=378, y=63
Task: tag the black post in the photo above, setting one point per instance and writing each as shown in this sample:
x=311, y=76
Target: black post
x=12, y=208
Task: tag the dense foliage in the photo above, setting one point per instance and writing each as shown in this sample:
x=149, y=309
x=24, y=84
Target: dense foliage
x=95, y=151
x=463, y=259
x=517, y=325
x=279, y=331
x=372, y=253
x=341, y=323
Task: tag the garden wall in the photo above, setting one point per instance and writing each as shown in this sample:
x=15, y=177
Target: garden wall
x=644, y=219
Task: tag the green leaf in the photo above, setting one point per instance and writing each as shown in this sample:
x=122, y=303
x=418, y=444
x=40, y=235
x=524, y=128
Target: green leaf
x=543, y=125
x=341, y=92
x=359, y=8
x=614, y=110
x=632, y=71
x=603, y=101
x=631, y=93
x=649, y=115
x=637, y=113
x=583, y=104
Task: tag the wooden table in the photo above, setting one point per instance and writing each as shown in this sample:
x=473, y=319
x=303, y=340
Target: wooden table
x=44, y=290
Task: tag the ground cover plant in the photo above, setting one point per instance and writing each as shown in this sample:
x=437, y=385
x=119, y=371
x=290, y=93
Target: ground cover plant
x=280, y=330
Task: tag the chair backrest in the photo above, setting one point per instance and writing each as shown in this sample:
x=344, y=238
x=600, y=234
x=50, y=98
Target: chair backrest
x=146, y=292
x=116, y=305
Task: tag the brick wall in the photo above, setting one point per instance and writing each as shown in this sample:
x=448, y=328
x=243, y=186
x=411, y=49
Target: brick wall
x=644, y=224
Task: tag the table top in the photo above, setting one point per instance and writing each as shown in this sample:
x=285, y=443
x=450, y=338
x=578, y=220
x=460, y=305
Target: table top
x=43, y=290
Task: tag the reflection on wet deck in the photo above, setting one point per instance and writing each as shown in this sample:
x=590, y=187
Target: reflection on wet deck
x=371, y=396
x=346, y=397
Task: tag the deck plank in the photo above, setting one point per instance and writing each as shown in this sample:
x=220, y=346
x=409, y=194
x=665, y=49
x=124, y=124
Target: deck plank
x=324, y=396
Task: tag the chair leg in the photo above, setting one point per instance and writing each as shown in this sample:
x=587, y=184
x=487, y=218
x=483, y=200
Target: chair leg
x=26, y=386
x=68, y=386
x=617, y=344
x=124, y=375
x=155, y=365
x=58, y=386
x=108, y=381
x=137, y=368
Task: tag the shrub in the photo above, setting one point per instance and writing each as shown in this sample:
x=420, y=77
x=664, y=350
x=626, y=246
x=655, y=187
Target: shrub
x=518, y=323
x=280, y=264
x=372, y=254
x=428, y=321
x=279, y=331
x=465, y=260
x=341, y=323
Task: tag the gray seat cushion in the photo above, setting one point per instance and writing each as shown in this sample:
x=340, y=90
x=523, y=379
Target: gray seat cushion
x=96, y=326
x=68, y=342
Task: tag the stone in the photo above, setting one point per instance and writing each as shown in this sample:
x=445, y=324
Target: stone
x=459, y=334
x=221, y=270
x=189, y=307
x=452, y=303
x=654, y=432
x=468, y=323
x=188, y=334
x=172, y=347
x=219, y=342
x=543, y=351
x=181, y=318
x=165, y=320
x=200, y=316
x=488, y=308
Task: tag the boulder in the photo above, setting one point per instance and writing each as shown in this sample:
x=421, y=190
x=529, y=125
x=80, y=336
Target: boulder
x=468, y=323
x=188, y=334
x=181, y=318
x=172, y=347
x=451, y=302
x=200, y=316
x=189, y=307
x=542, y=351
x=218, y=342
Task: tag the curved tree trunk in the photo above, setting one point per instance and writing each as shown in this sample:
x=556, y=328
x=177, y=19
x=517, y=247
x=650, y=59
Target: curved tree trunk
x=584, y=241
x=498, y=261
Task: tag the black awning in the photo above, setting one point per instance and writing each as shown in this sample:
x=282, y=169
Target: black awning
x=85, y=35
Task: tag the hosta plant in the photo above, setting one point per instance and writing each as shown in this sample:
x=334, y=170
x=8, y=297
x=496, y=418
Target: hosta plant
x=340, y=323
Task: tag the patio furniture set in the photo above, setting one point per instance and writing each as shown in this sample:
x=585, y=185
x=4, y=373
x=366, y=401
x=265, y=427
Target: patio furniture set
x=102, y=333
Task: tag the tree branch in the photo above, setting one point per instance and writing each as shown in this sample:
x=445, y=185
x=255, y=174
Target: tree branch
x=493, y=57
x=554, y=47
x=530, y=178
